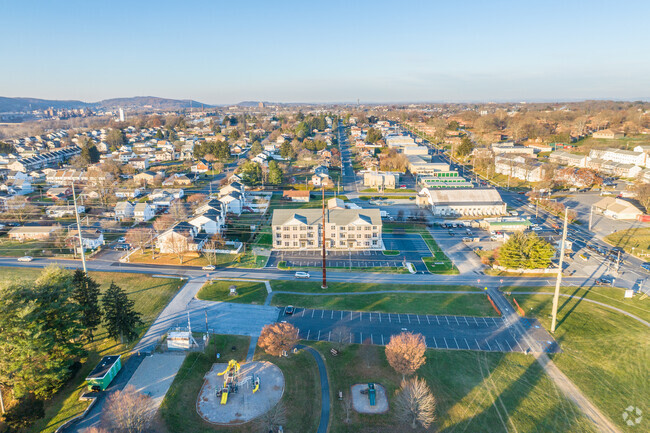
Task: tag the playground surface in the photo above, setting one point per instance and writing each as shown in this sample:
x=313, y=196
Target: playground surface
x=156, y=373
x=244, y=405
x=361, y=402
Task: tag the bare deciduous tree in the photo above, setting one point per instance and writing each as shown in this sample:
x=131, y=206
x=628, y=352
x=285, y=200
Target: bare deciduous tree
x=368, y=354
x=415, y=403
x=163, y=223
x=347, y=406
x=139, y=236
x=405, y=352
x=177, y=244
x=340, y=337
x=277, y=338
x=178, y=211
x=272, y=419
x=128, y=411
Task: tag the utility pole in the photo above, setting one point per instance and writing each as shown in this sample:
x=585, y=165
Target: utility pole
x=76, y=214
x=324, y=286
x=558, y=281
x=591, y=216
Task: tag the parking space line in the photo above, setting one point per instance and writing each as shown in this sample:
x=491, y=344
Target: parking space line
x=435, y=343
x=322, y=314
x=302, y=314
x=429, y=322
x=312, y=313
x=488, y=344
x=350, y=338
x=418, y=318
x=350, y=315
x=371, y=340
x=360, y=316
x=466, y=322
x=478, y=346
x=456, y=341
x=501, y=349
x=517, y=341
x=509, y=346
x=475, y=321
x=382, y=339
x=466, y=343
x=486, y=323
x=399, y=320
x=437, y=320
x=308, y=332
x=389, y=318
x=445, y=340
x=379, y=317
x=447, y=320
x=455, y=317
x=408, y=318
x=318, y=339
x=361, y=337
x=332, y=315
x=341, y=315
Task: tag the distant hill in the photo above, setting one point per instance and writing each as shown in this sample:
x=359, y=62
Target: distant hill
x=138, y=102
x=8, y=105
x=150, y=102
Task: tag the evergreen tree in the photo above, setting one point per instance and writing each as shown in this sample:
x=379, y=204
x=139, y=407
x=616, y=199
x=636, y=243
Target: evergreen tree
x=256, y=149
x=159, y=135
x=286, y=151
x=86, y=294
x=119, y=316
x=511, y=254
x=275, y=173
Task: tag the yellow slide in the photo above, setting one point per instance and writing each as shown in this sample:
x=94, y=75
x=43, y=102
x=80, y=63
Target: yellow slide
x=224, y=397
x=257, y=387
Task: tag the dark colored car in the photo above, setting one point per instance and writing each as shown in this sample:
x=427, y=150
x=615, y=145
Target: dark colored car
x=604, y=281
x=122, y=247
x=646, y=266
x=288, y=310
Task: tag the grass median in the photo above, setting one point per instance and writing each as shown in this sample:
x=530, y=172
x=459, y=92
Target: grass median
x=248, y=292
x=605, y=353
x=414, y=303
x=334, y=287
x=474, y=391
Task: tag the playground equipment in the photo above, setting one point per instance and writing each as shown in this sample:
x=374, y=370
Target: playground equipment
x=372, y=393
x=232, y=381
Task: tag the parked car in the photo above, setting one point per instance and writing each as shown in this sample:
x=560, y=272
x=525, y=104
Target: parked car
x=25, y=259
x=646, y=266
x=584, y=257
x=122, y=240
x=288, y=310
x=467, y=239
x=451, y=233
x=537, y=229
x=122, y=247
x=301, y=275
x=209, y=268
x=604, y=281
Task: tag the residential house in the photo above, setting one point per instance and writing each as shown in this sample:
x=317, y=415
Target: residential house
x=519, y=167
x=183, y=237
x=145, y=178
x=128, y=192
x=620, y=156
x=210, y=222
x=210, y=204
x=201, y=166
x=143, y=212
x=298, y=196
x=345, y=229
x=177, y=179
x=566, y=158
x=322, y=180
x=124, y=210
x=381, y=180
x=59, y=192
x=27, y=233
x=139, y=163
x=233, y=202
x=608, y=134
x=321, y=169
x=91, y=239
x=63, y=211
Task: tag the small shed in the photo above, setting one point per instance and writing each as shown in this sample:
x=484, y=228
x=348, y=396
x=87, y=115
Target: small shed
x=105, y=372
x=180, y=339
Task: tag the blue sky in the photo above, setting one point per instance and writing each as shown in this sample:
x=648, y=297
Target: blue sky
x=334, y=51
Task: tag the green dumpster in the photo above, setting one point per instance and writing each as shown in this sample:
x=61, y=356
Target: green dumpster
x=104, y=372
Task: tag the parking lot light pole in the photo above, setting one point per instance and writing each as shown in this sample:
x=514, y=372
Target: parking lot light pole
x=324, y=286
x=558, y=281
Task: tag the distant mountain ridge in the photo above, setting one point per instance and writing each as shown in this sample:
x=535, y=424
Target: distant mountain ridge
x=151, y=102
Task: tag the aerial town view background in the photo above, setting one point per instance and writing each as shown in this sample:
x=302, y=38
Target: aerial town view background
x=358, y=222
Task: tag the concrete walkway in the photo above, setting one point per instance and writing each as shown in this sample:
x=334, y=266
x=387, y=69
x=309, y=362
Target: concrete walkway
x=324, y=386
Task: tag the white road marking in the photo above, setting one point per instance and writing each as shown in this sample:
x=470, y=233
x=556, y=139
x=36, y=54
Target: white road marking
x=456, y=320
x=466, y=322
x=445, y=340
x=447, y=318
x=322, y=314
x=509, y=346
x=408, y=318
x=371, y=340
x=308, y=332
x=418, y=318
x=428, y=321
x=437, y=320
x=488, y=344
x=478, y=346
x=318, y=339
x=486, y=323
x=312, y=313
x=332, y=315
x=389, y=318
x=500, y=348
x=382, y=339
x=466, y=343
x=475, y=321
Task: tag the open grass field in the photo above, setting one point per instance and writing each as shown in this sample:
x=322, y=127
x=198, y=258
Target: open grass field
x=242, y=260
x=34, y=248
x=334, y=287
x=248, y=292
x=634, y=241
x=605, y=353
x=475, y=392
x=150, y=296
x=301, y=397
x=608, y=295
x=438, y=304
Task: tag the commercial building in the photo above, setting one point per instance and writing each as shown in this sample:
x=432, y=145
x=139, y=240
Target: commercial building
x=608, y=134
x=462, y=202
x=566, y=158
x=345, y=229
x=617, y=208
x=420, y=166
x=380, y=180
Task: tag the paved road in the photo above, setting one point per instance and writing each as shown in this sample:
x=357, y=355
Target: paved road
x=325, y=389
x=488, y=334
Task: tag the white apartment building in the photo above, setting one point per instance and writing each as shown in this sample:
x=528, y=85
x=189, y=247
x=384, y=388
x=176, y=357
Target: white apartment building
x=345, y=229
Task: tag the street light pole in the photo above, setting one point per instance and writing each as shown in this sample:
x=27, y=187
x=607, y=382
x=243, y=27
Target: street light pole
x=591, y=216
x=558, y=281
x=81, y=243
x=324, y=286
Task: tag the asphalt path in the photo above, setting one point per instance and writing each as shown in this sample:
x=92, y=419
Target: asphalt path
x=324, y=386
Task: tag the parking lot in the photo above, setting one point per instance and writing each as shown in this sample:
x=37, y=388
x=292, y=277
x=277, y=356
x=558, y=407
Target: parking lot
x=488, y=334
x=411, y=247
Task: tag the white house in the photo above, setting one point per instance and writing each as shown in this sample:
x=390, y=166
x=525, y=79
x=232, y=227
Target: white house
x=183, y=237
x=210, y=222
x=124, y=210
x=62, y=211
x=233, y=202
x=91, y=239
x=143, y=212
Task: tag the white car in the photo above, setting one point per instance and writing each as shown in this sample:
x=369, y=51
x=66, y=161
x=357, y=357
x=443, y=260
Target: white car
x=122, y=240
x=301, y=275
x=209, y=268
x=25, y=259
x=537, y=229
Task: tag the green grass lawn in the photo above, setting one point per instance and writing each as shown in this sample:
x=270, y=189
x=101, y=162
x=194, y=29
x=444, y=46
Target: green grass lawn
x=415, y=303
x=605, y=353
x=150, y=296
x=334, y=287
x=637, y=238
x=475, y=392
x=609, y=295
x=391, y=252
x=301, y=395
x=35, y=248
x=248, y=292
